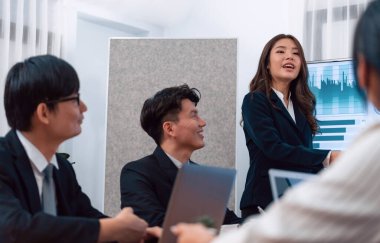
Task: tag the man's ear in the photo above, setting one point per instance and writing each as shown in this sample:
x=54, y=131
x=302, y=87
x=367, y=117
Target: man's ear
x=167, y=128
x=42, y=113
x=363, y=70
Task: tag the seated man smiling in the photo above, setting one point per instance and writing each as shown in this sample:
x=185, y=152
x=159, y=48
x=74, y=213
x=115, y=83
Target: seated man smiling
x=171, y=118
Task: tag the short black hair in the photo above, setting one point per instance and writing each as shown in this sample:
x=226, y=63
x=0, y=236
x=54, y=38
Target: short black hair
x=165, y=106
x=37, y=79
x=367, y=37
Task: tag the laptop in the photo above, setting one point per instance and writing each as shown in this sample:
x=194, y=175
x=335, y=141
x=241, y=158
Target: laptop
x=282, y=180
x=200, y=194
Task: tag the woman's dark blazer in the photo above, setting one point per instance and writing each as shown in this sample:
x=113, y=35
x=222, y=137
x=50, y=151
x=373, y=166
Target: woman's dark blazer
x=274, y=140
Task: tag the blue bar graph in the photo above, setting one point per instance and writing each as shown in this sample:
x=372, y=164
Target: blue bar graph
x=336, y=122
x=333, y=130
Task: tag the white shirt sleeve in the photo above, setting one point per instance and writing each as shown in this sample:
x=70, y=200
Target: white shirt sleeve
x=326, y=162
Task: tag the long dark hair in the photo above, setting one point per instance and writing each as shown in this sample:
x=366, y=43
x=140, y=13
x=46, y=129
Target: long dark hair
x=298, y=87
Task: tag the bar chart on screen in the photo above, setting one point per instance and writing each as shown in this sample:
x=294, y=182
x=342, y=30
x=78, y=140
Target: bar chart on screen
x=341, y=110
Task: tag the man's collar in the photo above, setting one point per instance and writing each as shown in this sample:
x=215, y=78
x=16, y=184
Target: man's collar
x=34, y=154
x=175, y=161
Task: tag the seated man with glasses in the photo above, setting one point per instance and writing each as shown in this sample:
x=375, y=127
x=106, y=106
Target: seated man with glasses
x=40, y=198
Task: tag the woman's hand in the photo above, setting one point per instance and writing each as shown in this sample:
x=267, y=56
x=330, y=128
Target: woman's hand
x=334, y=155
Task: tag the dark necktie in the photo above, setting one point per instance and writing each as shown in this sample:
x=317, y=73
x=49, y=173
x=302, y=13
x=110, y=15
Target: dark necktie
x=48, y=191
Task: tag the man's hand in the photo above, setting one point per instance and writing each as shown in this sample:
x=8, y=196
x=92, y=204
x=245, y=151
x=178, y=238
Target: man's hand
x=193, y=233
x=124, y=227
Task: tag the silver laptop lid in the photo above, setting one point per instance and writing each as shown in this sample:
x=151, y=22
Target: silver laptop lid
x=200, y=193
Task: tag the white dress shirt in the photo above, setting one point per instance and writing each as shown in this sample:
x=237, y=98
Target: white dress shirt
x=342, y=204
x=175, y=161
x=37, y=160
x=288, y=107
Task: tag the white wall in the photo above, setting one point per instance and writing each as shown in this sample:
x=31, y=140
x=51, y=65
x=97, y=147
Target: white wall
x=90, y=60
x=253, y=23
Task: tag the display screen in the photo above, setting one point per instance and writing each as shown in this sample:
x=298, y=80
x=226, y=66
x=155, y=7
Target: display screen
x=341, y=110
x=334, y=86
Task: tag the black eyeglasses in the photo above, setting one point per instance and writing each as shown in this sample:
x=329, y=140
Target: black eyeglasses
x=76, y=98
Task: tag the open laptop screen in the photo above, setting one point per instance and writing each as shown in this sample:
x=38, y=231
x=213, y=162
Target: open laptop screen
x=282, y=180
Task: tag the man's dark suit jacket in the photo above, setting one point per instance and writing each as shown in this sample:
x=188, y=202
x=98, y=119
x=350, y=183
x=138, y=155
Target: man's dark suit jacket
x=274, y=140
x=146, y=186
x=21, y=218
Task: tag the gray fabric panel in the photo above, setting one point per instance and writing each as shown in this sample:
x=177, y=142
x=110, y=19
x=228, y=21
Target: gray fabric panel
x=138, y=69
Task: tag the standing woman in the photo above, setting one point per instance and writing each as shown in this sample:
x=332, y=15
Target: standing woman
x=279, y=121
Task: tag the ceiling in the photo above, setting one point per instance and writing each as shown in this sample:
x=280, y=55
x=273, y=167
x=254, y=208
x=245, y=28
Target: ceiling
x=161, y=13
